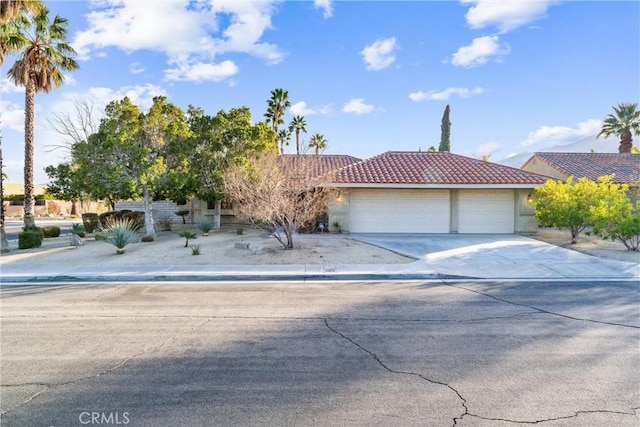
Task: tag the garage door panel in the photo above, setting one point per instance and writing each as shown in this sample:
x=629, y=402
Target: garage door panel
x=399, y=211
x=485, y=211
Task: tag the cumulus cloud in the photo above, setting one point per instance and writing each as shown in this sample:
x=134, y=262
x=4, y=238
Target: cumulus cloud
x=140, y=95
x=446, y=94
x=7, y=86
x=357, y=106
x=199, y=72
x=12, y=116
x=301, y=109
x=185, y=31
x=326, y=6
x=506, y=15
x=551, y=135
x=379, y=54
x=479, y=52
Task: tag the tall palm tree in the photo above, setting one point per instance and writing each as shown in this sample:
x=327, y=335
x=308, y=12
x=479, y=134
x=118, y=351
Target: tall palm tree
x=284, y=136
x=625, y=122
x=43, y=56
x=11, y=9
x=298, y=124
x=317, y=142
x=276, y=106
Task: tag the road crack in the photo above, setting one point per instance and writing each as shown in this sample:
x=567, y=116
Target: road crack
x=463, y=401
x=540, y=310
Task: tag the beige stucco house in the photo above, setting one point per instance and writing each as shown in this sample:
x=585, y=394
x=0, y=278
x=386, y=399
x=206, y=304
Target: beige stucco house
x=433, y=192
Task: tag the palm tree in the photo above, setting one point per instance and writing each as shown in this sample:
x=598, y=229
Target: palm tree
x=625, y=122
x=283, y=137
x=276, y=107
x=298, y=124
x=43, y=55
x=317, y=142
x=11, y=9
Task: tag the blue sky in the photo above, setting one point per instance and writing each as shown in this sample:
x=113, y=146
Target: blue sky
x=371, y=76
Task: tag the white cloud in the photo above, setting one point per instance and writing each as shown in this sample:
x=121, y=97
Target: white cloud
x=300, y=109
x=326, y=6
x=187, y=32
x=199, y=72
x=12, y=116
x=379, y=54
x=506, y=15
x=486, y=149
x=357, y=106
x=7, y=86
x=551, y=135
x=136, y=68
x=444, y=95
x=142, y=96
x=479, y=52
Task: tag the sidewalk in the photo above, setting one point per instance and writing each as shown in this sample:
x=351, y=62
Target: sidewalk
x=503, y=257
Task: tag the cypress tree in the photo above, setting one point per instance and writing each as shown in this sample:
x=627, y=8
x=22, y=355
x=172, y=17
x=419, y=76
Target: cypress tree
x=445, y=135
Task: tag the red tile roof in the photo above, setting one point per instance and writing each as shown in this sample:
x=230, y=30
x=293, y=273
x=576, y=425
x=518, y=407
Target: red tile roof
x=438, y=168
x=625, y=166
x=316, y=165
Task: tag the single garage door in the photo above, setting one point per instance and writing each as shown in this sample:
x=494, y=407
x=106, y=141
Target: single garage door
x=485, y=211
x=399, y=211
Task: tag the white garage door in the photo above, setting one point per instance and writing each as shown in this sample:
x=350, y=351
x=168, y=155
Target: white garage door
x=485, y=211
x=399, y=211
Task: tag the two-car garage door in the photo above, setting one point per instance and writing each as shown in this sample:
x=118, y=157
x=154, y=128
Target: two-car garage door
x=429, y=211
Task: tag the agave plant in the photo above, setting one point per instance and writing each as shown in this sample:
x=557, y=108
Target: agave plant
x=205, y=225
x=119, y=233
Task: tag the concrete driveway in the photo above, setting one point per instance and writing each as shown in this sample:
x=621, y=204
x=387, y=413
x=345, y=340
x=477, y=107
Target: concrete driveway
x=502, y=256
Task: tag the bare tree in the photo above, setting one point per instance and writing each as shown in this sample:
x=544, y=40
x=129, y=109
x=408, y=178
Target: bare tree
x=74, y=127
x=279, y=195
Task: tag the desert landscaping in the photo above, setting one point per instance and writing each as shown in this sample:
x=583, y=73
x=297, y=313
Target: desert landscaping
x=254, y=247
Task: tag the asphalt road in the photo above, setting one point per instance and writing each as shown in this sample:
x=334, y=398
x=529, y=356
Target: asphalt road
x=304, y=354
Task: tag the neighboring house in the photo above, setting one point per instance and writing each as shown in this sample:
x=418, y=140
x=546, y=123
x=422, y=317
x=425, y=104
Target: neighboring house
x=625, y=166
x=433, y=192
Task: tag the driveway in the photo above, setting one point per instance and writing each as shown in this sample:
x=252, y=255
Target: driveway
x=502, y=256
x=316, y=354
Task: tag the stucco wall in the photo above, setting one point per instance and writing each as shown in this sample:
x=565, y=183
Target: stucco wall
x=339, y=211
x=525, y=223
x=543, y=168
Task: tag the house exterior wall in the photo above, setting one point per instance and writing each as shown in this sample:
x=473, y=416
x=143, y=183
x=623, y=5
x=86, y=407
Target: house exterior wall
x=338, y=211
x=536, y=166
x=524, y=222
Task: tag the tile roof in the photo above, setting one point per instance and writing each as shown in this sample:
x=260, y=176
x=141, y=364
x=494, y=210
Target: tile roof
x=625, y=166
x=317, y=165
x=438, y=168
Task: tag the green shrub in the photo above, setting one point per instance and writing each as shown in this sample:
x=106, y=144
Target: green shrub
x=51, y=231
x=119, y=233
x=30, y=239
x=136, y=217
x=78, y=229
x=90, y=222
x=205, y=225
x=239, y=230
x=165, y=223
x=182, y=213
x=195, y=249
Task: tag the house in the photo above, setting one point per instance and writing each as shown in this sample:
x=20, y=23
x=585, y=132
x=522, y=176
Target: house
x=625, y=166
x=433, y=192
x=313, y=165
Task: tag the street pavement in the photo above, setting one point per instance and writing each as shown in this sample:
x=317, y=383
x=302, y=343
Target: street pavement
x=419, y=353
